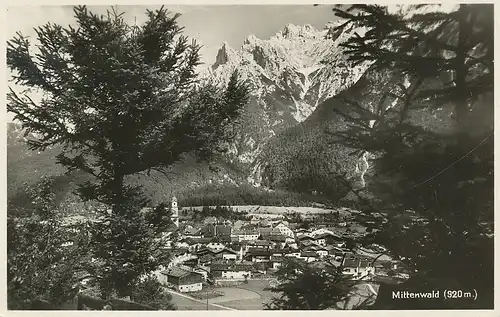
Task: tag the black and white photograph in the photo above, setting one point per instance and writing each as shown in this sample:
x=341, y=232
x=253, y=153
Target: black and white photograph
x=250, y=157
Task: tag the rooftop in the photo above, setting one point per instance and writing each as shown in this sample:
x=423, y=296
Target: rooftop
x=309, y=254
x=223, y=230
x=202, y=240
x=327, y=235
x=277, y=259
x=225, y=250
x=258, y=252
x=354, y=262
x=245, y=232
x=191, y=231
x=260, y=243
x=177, y=272
x=231, y=267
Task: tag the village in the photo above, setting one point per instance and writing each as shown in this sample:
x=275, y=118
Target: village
x=213, y=256
x=227, y=257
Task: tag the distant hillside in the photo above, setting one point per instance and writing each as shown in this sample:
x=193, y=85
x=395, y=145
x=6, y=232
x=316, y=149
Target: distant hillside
x=308, y=160
x=288, y=80
x=305, y=159
x=193, y=183
x=25, y=168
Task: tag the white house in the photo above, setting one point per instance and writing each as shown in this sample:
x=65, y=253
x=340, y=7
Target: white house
x=284, y=230
x=309, y=256
x=182, y=244
x=321, y=241
x=216, y=246
x=190, y=232
x=303, y=231
x=236, y=275
x=320, y=251
x=203, y=271
x=227, y=254
x=357, y=267
x=276, y=262
x=182, y=280
x=242, y=235
x=239, y=271
x=321, y=231
x=259, y=255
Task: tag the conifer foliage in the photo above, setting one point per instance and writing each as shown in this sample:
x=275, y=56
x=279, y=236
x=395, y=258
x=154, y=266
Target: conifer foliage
x=452, y=49
x=120, y=99
x=434, y=186
x=39, y=266
x=302, y=286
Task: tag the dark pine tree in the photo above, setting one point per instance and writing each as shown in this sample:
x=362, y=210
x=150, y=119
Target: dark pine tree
x=302, y=286
x=433, y=186
x=120, y=100
x=39, y=267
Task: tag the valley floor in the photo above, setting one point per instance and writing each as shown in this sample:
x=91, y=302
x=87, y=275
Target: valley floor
x=250, y=296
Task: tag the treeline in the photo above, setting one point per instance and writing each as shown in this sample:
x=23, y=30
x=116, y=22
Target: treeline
x=224, y=212
x=245, y=194
x=308, y=163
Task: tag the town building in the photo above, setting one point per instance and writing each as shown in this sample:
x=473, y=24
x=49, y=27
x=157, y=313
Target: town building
x=210, y=221
x=258, y=255
x=239, y=271
x=216, y=246
x=309, y=256
x=320, y=231
x=276, y=262
x=182, y=279
x=245, y=235
x=226, y=254
x=293, y=254
x=206, y=259
x=284, y=230
x=320, y=250
x=261, y=244
x=191, y=232
x=357, y=267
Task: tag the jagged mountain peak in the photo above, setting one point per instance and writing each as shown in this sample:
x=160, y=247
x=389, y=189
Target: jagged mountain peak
x=224, y=55
x=251, y=39
x=291, y=31
x=289, y=74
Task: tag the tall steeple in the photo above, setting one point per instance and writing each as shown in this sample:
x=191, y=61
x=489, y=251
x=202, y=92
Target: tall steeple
x=175, y=212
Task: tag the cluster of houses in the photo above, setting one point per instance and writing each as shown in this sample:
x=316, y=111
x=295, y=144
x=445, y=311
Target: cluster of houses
x=219, y=250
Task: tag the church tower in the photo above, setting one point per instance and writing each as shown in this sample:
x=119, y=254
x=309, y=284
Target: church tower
x=175, y=212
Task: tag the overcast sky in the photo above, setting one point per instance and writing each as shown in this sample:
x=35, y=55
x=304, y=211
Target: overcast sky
x=210, y=25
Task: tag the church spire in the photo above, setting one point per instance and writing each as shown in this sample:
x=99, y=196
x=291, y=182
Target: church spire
x=175, y=211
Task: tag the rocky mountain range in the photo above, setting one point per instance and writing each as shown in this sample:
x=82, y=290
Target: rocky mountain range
x=293, y=76
x=289, y=74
